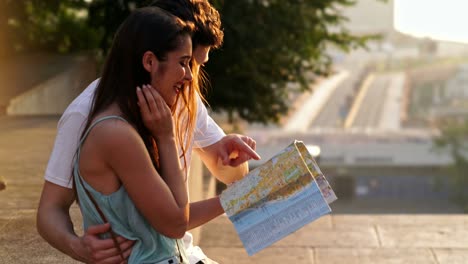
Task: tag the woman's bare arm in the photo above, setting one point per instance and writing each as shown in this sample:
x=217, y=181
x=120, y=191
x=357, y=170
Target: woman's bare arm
x=164, y=203
x=202, y=212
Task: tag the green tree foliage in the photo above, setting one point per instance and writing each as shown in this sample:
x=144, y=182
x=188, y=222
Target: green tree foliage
x=454, y=138
x=52, y=25
x=269, y=43
x=107, y=15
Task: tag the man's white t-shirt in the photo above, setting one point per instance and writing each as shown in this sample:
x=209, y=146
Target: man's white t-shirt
x=70, y=128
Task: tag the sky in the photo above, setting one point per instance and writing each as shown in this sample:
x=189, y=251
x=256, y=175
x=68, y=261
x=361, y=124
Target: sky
x=437, y=19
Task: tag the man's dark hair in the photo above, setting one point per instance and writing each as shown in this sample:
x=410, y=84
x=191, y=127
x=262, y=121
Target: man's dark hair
x=202, y=14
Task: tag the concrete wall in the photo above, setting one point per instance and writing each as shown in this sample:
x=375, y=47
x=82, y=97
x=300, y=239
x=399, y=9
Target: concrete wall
x=52, y=96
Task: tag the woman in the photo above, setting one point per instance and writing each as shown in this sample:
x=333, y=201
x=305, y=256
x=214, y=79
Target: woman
x=127, y=170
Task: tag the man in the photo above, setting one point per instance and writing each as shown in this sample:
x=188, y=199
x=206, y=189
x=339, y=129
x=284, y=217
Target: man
x=214, y=147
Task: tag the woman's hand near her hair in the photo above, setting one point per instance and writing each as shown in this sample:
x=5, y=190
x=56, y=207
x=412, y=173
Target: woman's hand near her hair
x=157, y=118
x=155, y=113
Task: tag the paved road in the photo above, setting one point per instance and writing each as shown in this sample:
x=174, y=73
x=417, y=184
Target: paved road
x=378, y=104
x=25, y=145
x=332, y=115
x=371, y=106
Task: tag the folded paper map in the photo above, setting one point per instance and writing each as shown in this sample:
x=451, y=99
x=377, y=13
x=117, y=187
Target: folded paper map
x=277, y=198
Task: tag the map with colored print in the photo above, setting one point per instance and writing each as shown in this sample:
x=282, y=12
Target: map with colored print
x=277, y=198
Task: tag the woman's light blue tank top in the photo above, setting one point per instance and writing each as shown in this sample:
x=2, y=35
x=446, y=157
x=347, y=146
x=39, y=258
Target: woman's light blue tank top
x=125, y=219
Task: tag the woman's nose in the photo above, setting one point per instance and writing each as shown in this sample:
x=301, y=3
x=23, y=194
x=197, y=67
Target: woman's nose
x=188, y=75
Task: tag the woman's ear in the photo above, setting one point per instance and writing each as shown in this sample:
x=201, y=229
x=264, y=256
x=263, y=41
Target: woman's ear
x=150, y=62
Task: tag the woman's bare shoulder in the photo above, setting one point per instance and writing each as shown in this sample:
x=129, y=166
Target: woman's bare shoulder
x=114, y=131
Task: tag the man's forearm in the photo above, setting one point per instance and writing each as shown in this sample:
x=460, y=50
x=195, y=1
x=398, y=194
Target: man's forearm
x=56, y=227
x=204, y=211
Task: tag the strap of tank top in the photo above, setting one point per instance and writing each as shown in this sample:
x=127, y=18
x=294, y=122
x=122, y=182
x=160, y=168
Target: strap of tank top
x=90, y=196
x=85, y=135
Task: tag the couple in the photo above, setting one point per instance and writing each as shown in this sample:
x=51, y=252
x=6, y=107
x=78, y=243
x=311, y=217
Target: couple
x=127, y=141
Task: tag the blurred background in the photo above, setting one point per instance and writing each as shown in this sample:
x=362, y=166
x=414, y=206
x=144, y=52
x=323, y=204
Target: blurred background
x=379, y=89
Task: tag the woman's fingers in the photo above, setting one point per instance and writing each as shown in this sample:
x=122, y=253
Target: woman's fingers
x=155, y=96
x=156, y=115
x=155, y=102
x=142, y=102
x=152, y=104
x=160, y=103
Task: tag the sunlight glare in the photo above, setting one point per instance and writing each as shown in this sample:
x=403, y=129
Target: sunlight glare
x=436, y=19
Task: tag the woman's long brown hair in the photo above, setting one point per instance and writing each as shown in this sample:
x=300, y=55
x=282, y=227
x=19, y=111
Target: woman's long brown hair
x=146, y=29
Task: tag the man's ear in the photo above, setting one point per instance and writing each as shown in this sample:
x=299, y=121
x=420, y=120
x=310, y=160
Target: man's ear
x=150, y=62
